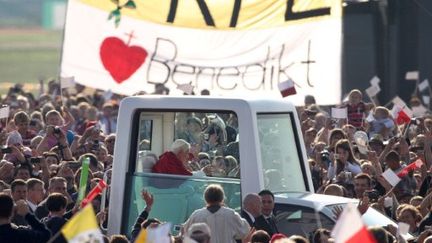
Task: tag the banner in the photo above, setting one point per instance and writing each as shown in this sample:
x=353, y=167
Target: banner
x=230, y=47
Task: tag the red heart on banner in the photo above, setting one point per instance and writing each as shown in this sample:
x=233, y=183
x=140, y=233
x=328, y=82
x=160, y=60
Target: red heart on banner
x=121, y=60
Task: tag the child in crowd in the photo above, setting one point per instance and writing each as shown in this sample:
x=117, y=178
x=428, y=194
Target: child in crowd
x=356, y=108
x=382, y=124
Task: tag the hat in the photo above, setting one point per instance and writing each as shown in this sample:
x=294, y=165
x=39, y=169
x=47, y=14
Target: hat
x=377, y=139
x=277, y=236
x=198, y=228
x=313, y=109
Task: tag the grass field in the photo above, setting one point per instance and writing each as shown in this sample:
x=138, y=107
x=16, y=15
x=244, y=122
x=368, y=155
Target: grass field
x=28, y=55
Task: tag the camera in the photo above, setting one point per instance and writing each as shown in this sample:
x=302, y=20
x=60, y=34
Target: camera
x=6, y=150
x=57, y=130
x=415, y=121
x=95, y=145
x=74, y=165
x=35, y=160
x=325, y=157
x=373, y=196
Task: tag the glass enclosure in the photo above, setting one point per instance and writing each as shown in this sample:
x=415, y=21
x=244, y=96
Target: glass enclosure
x=175, y=197
x=214, y=141
x=281, y=161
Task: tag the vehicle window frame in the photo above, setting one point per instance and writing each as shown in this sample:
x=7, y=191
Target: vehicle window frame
x=297, y=145
x=133, y=156
x=284, y=208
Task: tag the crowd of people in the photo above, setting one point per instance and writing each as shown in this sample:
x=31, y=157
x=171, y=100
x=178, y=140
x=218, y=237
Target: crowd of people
x=342, y=165
x=46, y=138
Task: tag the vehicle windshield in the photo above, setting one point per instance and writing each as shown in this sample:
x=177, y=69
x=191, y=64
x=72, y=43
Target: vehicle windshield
x=281, y=162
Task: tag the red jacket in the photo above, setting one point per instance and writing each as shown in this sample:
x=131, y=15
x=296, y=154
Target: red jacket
x=169, y=164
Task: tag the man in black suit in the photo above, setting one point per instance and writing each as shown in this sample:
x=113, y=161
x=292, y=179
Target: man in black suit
x=267, y=199
x=19, y=192
x=8, y=233
x=252, y=212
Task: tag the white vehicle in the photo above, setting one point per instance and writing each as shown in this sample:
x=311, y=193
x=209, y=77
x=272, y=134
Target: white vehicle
x=296, y=213
x=266, y=143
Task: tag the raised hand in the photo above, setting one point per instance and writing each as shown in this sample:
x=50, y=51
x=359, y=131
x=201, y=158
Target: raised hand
x=337, y=211
x=148, y=199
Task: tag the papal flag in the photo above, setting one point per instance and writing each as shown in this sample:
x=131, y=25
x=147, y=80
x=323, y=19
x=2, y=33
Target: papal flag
x=157, y=234
x=83, y=227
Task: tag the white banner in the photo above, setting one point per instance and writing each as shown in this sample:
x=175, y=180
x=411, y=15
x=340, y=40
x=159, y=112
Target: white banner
x=250, y=59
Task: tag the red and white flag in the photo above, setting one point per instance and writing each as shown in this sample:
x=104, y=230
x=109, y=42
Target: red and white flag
x=402, y=114
x=350, y=228
x=287, y=88
x=414, y=165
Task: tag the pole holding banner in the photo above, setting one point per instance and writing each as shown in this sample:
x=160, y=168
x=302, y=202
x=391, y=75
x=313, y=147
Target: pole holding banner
x=83, y=178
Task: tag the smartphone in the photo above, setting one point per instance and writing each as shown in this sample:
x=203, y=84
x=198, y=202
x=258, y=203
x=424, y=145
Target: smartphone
x=35, y=160
x=373, y=196
x=6, y=150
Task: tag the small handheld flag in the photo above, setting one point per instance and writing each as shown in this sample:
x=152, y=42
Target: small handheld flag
x=82, y=227
x=287, y=88
x=350, y=229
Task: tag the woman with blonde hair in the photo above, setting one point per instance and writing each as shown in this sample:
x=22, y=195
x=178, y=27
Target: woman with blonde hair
x=382, y=124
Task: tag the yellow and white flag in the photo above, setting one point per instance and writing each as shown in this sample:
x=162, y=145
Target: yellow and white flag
x=230, y=47
x=142, y=236
x=158, y=234
x=83, y=227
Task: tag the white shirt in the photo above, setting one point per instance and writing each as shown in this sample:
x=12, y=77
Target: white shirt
x=32, y=206
x=226, y=225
